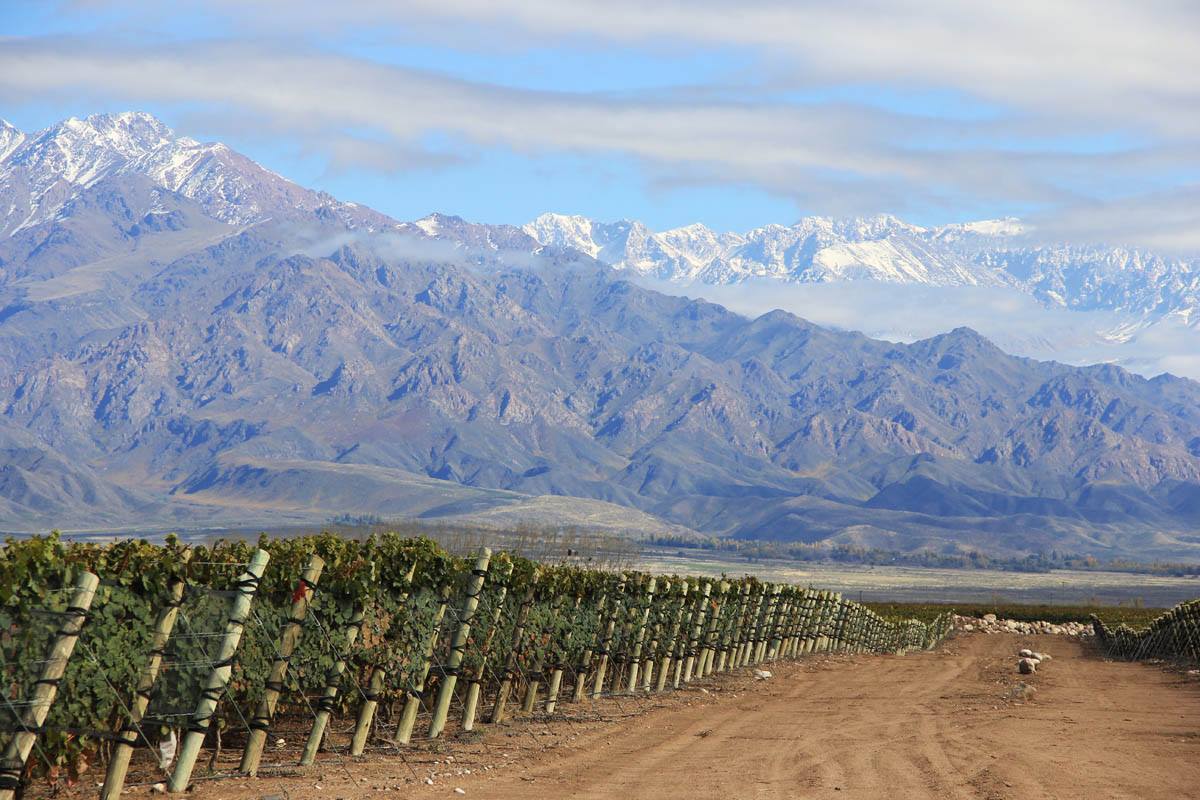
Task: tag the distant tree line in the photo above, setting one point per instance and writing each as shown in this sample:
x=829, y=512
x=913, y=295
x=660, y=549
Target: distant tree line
x=971, y=559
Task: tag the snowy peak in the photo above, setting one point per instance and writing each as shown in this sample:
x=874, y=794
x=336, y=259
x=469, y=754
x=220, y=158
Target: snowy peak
x=815, y=249
x=84, y=150
x=130, y=133
x=988, y=253
x=10, y=138
x=1007, y=226
x=471, y=235
x=42, y=173
x=561, y=230
x=872, y=228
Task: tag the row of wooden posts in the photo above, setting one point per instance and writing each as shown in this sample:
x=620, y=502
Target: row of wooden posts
x=716, y=626
x=1172, y=636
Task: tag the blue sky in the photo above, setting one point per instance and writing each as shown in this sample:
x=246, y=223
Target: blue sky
x=732, y=115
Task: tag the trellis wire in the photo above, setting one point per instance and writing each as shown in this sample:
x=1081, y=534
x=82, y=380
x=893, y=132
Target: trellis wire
x=462, y=631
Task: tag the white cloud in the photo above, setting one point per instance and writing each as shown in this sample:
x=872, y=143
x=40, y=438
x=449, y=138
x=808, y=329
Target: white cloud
x=809, y=153
x=1107, y=59
x=1094, y=110
x=1013, y=320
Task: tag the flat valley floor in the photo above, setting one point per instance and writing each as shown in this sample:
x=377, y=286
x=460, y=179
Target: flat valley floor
x=941, y=724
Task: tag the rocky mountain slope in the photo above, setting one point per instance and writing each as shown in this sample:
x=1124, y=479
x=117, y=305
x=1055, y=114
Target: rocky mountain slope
x=169, y=357
x=41, y=173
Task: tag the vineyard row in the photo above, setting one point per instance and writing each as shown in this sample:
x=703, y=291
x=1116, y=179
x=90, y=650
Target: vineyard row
x=1173, y=636
x=113, y=651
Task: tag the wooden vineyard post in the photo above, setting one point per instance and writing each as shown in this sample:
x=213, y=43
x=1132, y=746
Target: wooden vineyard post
x=734, y=629
x=471, y=704
x=845, y=619
x=811, y=620
x=668, y=650
x=534, y=683
x=556, y=674
x=260, y=723
x=791, y=623
x=681, y=644
x=375, y=684
x=218, y=678
x=849, y=626
x=697, y=626
x=744, y=626
x=606, y=639
x=366, y=714
x=768, y=633
x=839, y=622
x=16, y=753
x=585, y=661
x=821, y=643
x=164, y=623
x=458, y=645
x=619, y=659
x=709, y=645
x=514, y=651
x=746, y=650
x=786, y=623
x=635, y=658
x=762, y=625
x=862, y=627
x=656, y=633
x=779, y=641
x=801, y=623
x=329, y=693
x=412, y=703
x=829, y=623
x=776, y=634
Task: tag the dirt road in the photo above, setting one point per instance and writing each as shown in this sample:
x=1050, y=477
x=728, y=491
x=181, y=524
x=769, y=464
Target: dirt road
x=929, y=725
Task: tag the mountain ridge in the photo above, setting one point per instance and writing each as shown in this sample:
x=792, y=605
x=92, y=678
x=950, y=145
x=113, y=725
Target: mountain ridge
x=168, y=359
x=985, y=253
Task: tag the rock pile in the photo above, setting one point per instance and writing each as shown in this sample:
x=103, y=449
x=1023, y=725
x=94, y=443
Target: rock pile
x=1028, y=661
x=989, y=623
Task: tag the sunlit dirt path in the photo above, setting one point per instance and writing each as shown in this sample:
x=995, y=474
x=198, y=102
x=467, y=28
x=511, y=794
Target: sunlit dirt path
x=928, y=725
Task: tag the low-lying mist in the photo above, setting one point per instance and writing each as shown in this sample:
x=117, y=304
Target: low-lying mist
x=1016, y=322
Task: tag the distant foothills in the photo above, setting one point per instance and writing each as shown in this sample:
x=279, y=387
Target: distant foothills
x=190, y=340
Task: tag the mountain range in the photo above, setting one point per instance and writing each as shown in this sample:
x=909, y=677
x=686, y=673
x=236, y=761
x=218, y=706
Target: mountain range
x=188, y=339
x=988, y=253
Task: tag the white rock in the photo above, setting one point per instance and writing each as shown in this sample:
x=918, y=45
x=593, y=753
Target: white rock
x=1026, y=666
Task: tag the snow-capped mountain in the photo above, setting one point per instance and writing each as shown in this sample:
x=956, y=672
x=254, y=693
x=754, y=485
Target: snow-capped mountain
x=987, y=253
x=188, y=338
x=814, y=250
x=10, y=139
x=42, y=172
